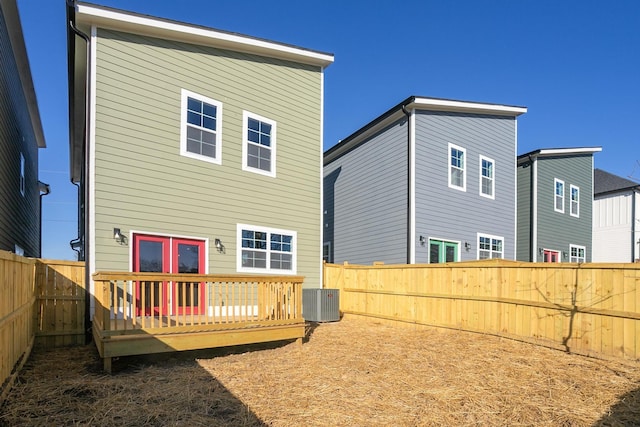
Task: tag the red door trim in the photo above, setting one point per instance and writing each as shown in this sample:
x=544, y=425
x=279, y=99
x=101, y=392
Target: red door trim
x=137, y=238
x=177, y=307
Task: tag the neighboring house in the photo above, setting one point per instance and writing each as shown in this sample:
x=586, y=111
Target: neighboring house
x=555, y=202
x=197, y=150
x=431, y=180
x=20, y=137
x=616, y=218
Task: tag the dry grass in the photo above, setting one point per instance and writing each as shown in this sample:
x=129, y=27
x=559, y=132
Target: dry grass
x=354, y=372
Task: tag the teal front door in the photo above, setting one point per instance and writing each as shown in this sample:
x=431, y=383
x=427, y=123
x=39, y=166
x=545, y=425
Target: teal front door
x=442, y=251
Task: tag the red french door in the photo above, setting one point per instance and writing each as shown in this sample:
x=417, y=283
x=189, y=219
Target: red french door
x=151, y=254
x=551, y=256
x=160, y=254
x=188, y=257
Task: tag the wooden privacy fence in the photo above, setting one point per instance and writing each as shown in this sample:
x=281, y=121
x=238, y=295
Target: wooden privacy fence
x=42, y=302
x=583, y=308
x=17, y=300
x=60, y=303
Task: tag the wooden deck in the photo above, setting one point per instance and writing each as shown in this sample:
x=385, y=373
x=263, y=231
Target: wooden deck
x=144, y=313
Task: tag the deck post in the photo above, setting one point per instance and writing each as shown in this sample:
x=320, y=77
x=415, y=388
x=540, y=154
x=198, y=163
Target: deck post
x=107, y=364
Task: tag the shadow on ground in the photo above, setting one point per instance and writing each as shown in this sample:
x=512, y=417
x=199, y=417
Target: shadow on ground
x=624, y=413
x=67, y=386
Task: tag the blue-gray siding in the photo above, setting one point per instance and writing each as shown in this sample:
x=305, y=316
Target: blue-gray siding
x=365, y=200
x=19, y=215
x=450, y=214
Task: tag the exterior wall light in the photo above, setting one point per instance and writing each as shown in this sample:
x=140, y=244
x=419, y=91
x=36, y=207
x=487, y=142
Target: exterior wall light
x=118, y=236
x=219, y=245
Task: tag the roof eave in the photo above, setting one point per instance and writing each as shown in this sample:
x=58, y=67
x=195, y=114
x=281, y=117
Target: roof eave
x=162, y=28
x=554, y=152
x=418, y=103
x=14, y=28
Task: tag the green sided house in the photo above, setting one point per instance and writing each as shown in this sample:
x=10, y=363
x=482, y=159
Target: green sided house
x=196, y=151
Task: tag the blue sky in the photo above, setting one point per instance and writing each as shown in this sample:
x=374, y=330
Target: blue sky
x=574, y=64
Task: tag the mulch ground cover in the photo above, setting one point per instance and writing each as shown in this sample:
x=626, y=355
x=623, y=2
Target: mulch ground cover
x=356, y=372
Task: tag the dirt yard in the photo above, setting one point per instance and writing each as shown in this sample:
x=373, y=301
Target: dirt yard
x=350, y=373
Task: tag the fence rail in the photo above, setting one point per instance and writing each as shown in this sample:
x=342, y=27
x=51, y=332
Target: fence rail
x=583, y=308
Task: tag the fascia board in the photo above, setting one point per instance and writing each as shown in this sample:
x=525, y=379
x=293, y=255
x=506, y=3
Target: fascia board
x=568, y=151
x=465, y=107
x=165, y=29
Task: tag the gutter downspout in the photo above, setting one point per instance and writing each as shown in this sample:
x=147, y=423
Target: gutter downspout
x=534, y=209
x=71, y=7
x=44, y=190
x=410, y=220
x=635, y=244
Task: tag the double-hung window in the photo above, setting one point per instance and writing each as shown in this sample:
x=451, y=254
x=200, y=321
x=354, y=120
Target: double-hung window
x=22, y=178
x=487, y=177
x=264, y=250
x=201, y=127
x=259, y=144
x=577, y=253
x=559, y=195
x=457, y=167
x=490, y=247
x=574, y=210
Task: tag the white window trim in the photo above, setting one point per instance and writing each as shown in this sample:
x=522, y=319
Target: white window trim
x=22, y=175
x=268, y=269
x=555, y=183
x=577, y=214
x=493, y=178
x=464, y=167
x=245, y=142
x=489, y=236
x=17, y=249
x=183, y=127
x=584, y=248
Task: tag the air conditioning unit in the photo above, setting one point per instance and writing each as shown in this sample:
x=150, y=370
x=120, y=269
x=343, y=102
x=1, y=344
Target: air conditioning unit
x=321, y=305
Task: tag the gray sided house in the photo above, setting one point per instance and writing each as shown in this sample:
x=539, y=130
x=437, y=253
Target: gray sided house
x=197, y=150
x=555, y=205
x=431, y=180
x=20, y=138
x=616, y=218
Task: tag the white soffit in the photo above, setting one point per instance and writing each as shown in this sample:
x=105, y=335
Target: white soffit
x=465, y=106
x=166, y=29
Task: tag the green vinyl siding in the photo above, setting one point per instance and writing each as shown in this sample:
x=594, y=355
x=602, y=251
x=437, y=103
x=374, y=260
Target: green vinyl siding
x=556, y=230
x=142, y=182
x=523, y=250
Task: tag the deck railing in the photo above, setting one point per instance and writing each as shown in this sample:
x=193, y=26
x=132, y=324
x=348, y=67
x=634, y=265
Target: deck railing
x=162, y=303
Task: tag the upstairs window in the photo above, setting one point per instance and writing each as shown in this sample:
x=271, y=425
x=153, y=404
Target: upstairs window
x=200, y=134
x=577, y=253
x=457, y=167
x=575, y=201
x=22, y=179
x=487, y=179
x=559, y=195
x=259, y=144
